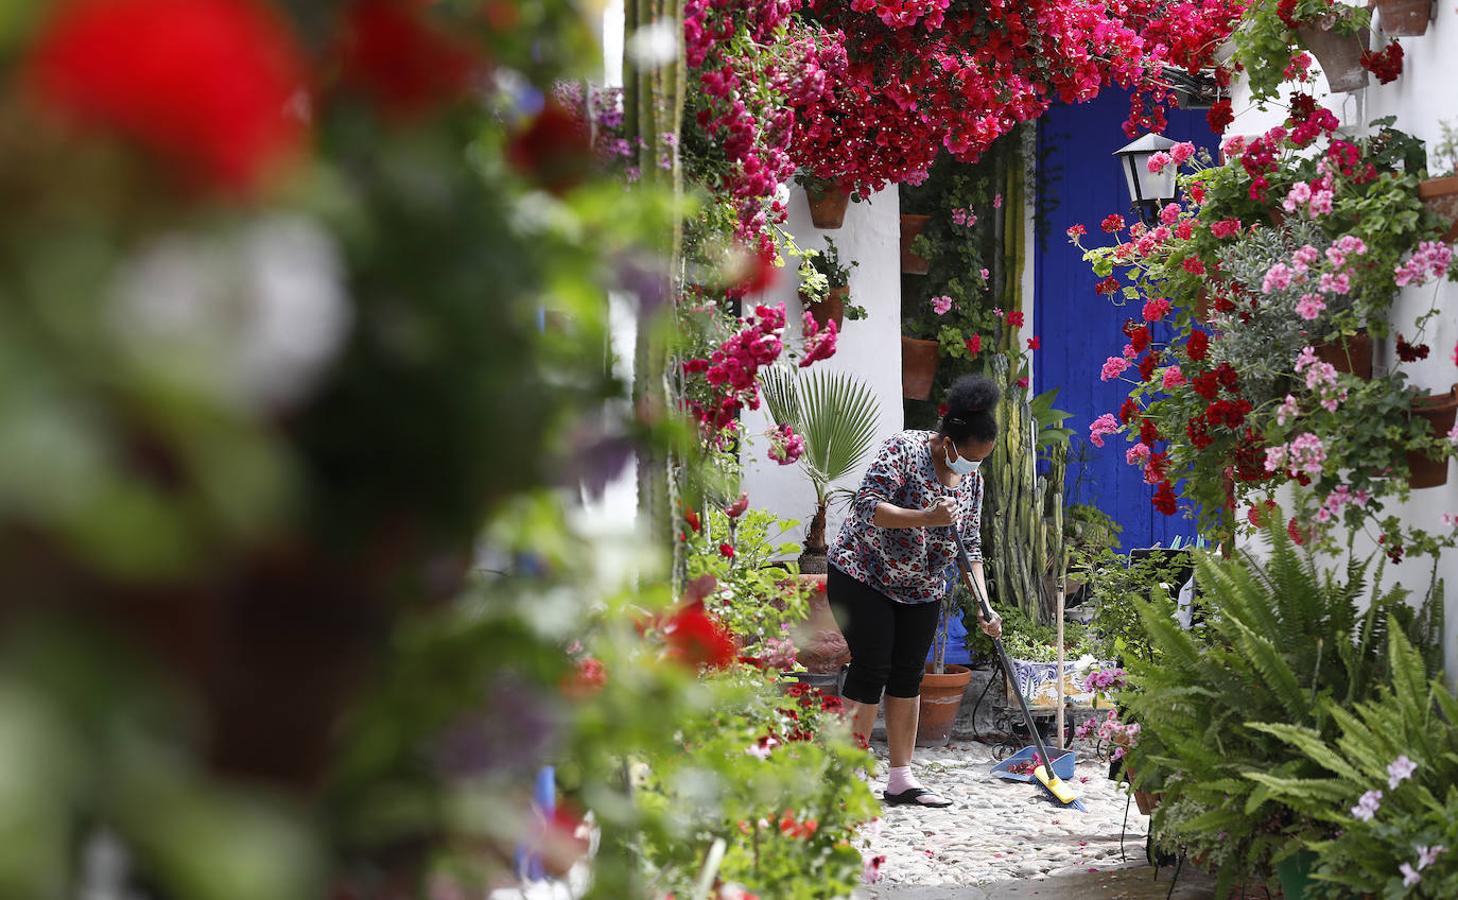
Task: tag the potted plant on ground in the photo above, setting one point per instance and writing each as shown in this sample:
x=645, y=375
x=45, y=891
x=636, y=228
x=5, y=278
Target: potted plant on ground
x=825, y=286
x=943, y=685
x=828, y=200
x=1439, y=191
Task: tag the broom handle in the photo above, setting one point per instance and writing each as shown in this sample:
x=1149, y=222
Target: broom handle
x=965, y=565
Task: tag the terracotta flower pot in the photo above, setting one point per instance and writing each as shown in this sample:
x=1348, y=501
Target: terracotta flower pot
x=1339, y=55
x=820, y=645
x=1405, y=18
x=1438, y=410
x=1351, y=354
x=832, y=308
x=827, y=210
x=919, y=361
x=912, y=263
x=1441, y=196
x=941, y=699
x=1146, y=801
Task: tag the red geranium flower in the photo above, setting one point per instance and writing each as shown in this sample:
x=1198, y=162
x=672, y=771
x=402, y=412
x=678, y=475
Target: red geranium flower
x=1197, y=345
x=1410, y=352
x=1206, y=384
x=1109, y=285
x=1219, y=116
x=1149, y=432
x=726, y=551
x=737, y=508
x=1112, y=223
x=1147, y=364
x=1140, y=337
x=1015, y=318
x=1294, y=531
x=1035, y=343
x=692, y=518
x=1386, y=64
x=1164, y=499
x=1128, y=410
x=205, y=83
x=974, y=344
x=696, y=640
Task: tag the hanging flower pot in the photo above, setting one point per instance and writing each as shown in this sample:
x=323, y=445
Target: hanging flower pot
x=827, y=207
x=1339, y=55
x=1351, y=354
x=1405, y=18
x=1438, y=410
x=1441, y=196
x=919, y=361
x=941, y=700
x=912, y=263
x=832, y=308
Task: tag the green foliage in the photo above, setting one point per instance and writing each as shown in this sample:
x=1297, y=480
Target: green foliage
x=708, y=785
x=837, y=415
x=1281, y=643
x=835, y=412
x=755, y=594
x=1022, y=520
x=1265, y=44
x=1027, y=639
x=1412, y=717
x=1116, y=585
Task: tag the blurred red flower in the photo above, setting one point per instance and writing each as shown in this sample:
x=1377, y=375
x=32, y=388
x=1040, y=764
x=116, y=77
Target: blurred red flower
x=695, y=639
x=555, y=151
x=206, y=83
x=394, y=55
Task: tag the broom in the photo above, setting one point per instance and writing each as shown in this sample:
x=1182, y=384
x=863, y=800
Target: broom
x=1043, y=774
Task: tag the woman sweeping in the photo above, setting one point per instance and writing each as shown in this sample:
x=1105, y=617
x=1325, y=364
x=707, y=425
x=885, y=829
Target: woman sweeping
x=890, y=566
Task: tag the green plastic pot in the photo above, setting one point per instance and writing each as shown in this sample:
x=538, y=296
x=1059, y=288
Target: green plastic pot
x=1294, y=873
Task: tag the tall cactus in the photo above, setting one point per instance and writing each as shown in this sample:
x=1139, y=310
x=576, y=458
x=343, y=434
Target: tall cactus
x=1022, y=525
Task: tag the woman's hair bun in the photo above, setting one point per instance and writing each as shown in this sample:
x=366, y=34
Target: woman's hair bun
x=972, y=394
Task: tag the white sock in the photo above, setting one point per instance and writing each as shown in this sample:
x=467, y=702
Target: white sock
x=900, y=779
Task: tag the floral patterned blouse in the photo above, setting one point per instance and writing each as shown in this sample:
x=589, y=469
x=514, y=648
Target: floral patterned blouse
x=909, y=565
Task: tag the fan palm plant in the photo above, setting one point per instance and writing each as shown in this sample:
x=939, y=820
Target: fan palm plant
x=836, y=415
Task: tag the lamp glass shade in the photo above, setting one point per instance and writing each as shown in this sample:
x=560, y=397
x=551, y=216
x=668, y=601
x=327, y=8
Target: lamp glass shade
x=1145, y=186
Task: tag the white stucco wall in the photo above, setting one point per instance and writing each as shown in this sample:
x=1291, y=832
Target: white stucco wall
x=870, y=347
x=1424, y=97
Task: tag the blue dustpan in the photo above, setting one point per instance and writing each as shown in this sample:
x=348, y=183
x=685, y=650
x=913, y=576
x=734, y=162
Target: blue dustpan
x=1063, y=766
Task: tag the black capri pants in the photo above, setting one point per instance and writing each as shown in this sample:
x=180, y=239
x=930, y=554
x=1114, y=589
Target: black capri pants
x=888, y=641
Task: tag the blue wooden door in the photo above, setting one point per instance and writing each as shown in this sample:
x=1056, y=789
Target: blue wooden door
x=1080, y=182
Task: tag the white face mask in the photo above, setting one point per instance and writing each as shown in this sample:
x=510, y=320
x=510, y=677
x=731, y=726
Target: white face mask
x=960, y=466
